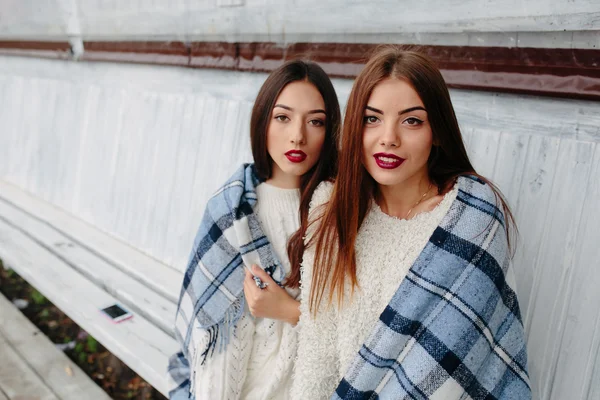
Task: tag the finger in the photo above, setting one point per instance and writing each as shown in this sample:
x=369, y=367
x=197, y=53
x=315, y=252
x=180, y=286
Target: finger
x=246, y=282
x=249, y=282
x=247, y=290
x=262, y=274
x=251, y=291
x=249, y=285
x=249, y=278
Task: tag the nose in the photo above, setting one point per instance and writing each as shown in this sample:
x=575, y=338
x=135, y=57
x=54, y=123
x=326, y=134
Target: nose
x=390, y=136
x=297, y=133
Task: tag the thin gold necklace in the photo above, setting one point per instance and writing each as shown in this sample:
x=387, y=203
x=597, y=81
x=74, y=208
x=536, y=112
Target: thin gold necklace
x=418, y=201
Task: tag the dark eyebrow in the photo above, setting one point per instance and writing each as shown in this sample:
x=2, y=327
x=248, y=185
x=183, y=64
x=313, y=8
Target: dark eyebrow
x=412, y=109
x=400, y=113
x=375, y=110
x=317, y=111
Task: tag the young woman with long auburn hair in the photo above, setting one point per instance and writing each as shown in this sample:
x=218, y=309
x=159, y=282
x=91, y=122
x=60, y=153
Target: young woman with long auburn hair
x=407, y=288
x=237, y=310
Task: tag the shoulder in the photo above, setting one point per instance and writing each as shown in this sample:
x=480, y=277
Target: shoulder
x=243, y=179
x=241, y=184
x=477, y=188
x=478, y=194
x=321, y=195
x=316, y=209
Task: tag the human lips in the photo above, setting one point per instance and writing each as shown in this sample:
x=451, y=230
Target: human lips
x=388, y=161
x=296, y=156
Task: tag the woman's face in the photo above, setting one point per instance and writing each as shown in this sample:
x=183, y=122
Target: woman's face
x=296, y=132
x=397, y=137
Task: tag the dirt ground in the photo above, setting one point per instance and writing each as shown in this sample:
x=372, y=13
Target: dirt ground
x=112, y=375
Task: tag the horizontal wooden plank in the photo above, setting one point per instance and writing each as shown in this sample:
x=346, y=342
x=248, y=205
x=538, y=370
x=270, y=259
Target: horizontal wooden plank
x=18, y=379
x=137, y=342
x=42, y=356
x=160, y=277
x=129, y=290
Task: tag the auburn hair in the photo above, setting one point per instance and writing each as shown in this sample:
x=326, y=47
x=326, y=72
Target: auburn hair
x=354, y=188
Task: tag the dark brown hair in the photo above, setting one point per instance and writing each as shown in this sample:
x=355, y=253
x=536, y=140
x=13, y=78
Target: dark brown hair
x=345, y=212
x=324, y=169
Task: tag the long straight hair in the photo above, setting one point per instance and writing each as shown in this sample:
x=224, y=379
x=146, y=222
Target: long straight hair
x=324, y=169
x=354, y=188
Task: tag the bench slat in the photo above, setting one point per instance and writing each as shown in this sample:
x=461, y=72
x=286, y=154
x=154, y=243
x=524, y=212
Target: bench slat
x=130, y=291
x=43, y=359
x=159, y=276
x=18, y=379
x=137, y=342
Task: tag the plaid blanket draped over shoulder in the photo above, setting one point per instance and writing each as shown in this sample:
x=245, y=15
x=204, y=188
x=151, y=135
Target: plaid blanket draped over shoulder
x=212, y=295
x=453, y=328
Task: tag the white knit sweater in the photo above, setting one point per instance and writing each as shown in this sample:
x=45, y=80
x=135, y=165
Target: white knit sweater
x=386, y=247
x=257, y=363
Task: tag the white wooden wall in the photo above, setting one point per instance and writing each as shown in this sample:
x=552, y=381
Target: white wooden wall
x=136, y=151
x=506, y=23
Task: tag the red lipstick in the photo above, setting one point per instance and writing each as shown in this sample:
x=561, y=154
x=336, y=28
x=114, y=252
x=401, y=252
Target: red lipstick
x=296, y=156
x=388, y=161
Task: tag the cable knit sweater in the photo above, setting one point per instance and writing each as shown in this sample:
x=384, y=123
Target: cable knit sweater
x=386, y=247
x=257, y=363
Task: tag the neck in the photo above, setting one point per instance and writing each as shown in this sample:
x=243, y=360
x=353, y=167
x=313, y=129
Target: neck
x=282, y=180
x=397, y=200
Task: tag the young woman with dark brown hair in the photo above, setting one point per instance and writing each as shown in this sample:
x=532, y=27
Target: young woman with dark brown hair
x=237, y=311
x=407, y=291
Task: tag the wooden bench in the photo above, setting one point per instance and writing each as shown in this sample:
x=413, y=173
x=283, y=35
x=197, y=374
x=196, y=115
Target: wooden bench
x=33, y=368
x=81, y=270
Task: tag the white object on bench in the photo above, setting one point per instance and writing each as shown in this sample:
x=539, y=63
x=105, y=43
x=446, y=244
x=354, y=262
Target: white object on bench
x=81, y=269
x=32, y=367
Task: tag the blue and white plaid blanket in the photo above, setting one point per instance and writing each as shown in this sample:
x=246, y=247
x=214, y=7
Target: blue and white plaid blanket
x=453, y=328
x=212, y=295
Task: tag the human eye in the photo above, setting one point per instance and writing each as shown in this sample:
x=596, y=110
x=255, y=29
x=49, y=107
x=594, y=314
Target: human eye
x=413, y=121
x=281, y=118
x=317, y=122
x=370, y=119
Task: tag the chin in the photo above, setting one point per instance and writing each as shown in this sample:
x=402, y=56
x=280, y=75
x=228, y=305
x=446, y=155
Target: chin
x=296, y=170
x=385, y=178
x=387, y=181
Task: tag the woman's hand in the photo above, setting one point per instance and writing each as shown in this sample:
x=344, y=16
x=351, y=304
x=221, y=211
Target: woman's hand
x=271, y=302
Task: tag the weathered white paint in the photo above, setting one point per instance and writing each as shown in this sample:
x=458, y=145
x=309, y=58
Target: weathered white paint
x=472, y=22
x=17, y=378
x=61, y=375
x=163, y=280
x=132, y=293
x=136, y=150
x=137, y=342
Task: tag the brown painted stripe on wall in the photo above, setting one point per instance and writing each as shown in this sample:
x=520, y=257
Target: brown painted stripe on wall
x=61, y=50
x=164, y=53
x=573, y=73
